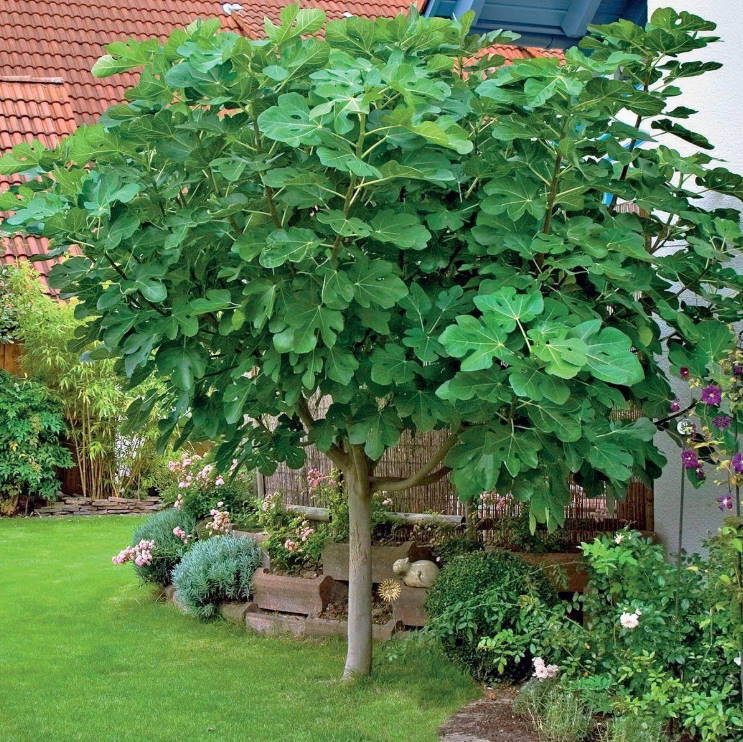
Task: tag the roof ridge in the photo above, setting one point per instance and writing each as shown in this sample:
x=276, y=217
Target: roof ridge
x=32, y=79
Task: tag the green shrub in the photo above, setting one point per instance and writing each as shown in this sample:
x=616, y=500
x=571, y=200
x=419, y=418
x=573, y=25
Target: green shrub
x=293, y=543
x=454, y=547
x=565, y=717
x=633, y=728
x=214, y=571
x=169, y=548
x=657, y=642
x=533, y=698
x=31, y=429
x=93, y=395
x=483, y=609
x=8, y=308
x=197, y=486
x=557, y=713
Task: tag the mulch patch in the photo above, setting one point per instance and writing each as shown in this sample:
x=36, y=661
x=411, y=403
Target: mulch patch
x=338, y=611
x=490, y=719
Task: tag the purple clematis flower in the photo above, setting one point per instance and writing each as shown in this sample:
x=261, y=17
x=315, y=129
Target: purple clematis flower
x=737, y=462
x=738, y=369
x=684, y=371
x=722, y=422
x=711, y=395
x=725, y=502
x=675, y=406
x=689, y=459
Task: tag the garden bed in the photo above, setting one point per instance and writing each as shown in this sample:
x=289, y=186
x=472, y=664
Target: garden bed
x=410, y=608
x=287, y=594
x=299, y=622
x=493, y=719
x=488, y=720
x=335, y=559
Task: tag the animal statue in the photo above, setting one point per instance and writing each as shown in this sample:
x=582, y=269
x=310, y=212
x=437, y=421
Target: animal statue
x=422, y=573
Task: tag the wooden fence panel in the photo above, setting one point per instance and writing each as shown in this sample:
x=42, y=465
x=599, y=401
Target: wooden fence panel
x=10, y=355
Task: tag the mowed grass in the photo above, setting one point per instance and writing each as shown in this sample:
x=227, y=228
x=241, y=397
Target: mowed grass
x=87, y=654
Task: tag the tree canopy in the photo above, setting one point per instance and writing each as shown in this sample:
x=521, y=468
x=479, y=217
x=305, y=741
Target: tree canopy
x=385, y=214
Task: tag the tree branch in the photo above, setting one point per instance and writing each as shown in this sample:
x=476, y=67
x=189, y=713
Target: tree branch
x=427, y=474
x=121, y=273
x=396, y=484
x=334, y=453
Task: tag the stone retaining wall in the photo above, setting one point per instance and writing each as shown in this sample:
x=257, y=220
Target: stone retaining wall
x=106, y=506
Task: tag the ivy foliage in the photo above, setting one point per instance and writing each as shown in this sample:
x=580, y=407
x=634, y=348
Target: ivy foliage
x=31, y=448
x=354, y=209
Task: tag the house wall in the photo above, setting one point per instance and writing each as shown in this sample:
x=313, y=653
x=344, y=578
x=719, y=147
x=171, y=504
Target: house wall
x=718, y=96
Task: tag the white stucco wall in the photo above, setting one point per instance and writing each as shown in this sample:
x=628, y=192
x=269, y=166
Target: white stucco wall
x=718, y=96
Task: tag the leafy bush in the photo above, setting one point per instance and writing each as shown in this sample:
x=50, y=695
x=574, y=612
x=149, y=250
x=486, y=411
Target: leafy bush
x=30, y=441
x=169, y=548
x=558, y=714
x=454, y=547
x=494, y=595
x=658, y=642
x=293, y=543
x=111, y=459
x=633, y=728
x=214, y=571
x=197, y=487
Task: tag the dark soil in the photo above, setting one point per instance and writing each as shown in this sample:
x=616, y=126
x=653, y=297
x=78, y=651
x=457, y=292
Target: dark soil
x=338, y=611
x=491, y=719
x=488, y=720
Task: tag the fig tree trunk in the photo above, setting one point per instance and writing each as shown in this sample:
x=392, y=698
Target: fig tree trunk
x=359, y=653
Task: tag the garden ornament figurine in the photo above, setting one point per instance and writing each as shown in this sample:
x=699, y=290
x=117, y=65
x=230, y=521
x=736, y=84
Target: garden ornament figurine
x=422, y=573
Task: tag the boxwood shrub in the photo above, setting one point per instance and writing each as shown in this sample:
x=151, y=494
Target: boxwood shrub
x=216, y=570
x=482, y=595
x=169, y=548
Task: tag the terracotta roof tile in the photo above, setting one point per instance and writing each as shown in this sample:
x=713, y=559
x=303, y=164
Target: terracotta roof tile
x=22, y=248
x=63, y=38
x=31, y=108
x=41, y=40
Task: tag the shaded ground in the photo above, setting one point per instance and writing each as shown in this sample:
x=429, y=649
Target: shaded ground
x=488, y=720
x=86, y=655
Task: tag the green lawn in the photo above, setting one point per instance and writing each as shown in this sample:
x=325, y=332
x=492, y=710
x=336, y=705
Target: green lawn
x=87, y=654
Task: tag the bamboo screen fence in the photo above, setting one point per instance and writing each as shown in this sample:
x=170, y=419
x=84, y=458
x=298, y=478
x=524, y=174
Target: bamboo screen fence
x=585, y=516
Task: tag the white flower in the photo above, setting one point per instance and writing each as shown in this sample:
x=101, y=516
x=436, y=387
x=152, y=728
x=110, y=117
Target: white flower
x=542, y=671
x=737, y=660
x=619, y=538
x=630, y=620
